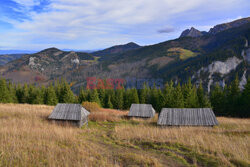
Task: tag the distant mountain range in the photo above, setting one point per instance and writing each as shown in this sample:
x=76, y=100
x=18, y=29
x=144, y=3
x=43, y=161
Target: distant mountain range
x=5, y=58
x=118, y=49
x=192, y=32
x=208, y=57
x=9, y=52
x=10, y=55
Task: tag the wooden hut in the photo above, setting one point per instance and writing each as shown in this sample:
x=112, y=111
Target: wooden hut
x=187, y=117
x=72, y=113
x=141, y=111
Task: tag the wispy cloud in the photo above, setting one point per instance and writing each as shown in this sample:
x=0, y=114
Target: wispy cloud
x=166, y=30
x=84, y=24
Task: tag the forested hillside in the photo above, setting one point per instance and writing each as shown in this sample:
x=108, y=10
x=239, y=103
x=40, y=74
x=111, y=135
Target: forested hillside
x=229, y=101
x=5, y=58
x=211, y=58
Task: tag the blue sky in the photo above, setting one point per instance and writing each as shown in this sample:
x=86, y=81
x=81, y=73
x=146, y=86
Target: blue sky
x=95, y=24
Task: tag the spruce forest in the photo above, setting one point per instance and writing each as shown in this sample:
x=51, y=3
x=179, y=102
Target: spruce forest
x=228, y=101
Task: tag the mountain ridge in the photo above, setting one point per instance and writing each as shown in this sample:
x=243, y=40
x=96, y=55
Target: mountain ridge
x=175, y=60
x=192, y=32
x=117, y=49
x=228, y=25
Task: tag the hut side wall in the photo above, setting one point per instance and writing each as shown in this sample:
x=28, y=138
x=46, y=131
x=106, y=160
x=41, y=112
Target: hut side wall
x=63, y=122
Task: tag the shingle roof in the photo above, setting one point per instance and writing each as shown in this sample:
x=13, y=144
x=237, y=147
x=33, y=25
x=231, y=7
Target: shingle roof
x=141, y=110
x=72, y=112
x=187, y=116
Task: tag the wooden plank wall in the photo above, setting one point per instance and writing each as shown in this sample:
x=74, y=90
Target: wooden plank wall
x=187, y=117
x=141, y=110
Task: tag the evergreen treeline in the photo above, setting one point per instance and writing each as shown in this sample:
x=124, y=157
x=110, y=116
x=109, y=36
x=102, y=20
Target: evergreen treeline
x=229, y=101
x=59, y=92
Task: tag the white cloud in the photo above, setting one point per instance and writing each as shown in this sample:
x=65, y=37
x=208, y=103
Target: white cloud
x=101, y=23
x=27, y=3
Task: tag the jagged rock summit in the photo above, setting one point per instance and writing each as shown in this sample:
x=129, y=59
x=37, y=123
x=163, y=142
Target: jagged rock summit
x=222, y=27
x=192, y=32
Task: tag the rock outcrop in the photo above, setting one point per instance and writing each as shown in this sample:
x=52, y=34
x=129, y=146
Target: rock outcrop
x=192, y=32
x=222, y=27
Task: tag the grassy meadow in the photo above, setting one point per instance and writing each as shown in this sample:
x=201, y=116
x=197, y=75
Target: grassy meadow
x=27, y=138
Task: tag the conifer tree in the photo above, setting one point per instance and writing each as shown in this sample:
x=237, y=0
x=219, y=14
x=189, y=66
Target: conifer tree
x=88, y=92
x=203, y=100
x=32, y=94
x=168, y=94
x=4, y=92
x=147, y=91
x=18, y=90
x=190, y=95
x=226, y=107
x=217, y=99
x=113, y=98
x=58, y=86
x=119, y=98
x=178, y=98
x=12, y=93
x=50, y=96
x=94, y=97
x=160, y=101
x=201, y=96
x=43, y=92
x=108, y=102
x=82, y=96
x=245, y=101
x=142, y=95
x=24, y=94
x=154, y=96
x=126, y=98
x=233, y=98
x=134, y=96
x=66, y=95
x=101, y=93
x=35, y=95
x=39, y=96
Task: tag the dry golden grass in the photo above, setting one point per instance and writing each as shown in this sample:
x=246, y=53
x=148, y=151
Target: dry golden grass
x=102, y=114
x=183, y=53
x=107, y=115
x=230, y=140
x=91, y=106
x=27, y=138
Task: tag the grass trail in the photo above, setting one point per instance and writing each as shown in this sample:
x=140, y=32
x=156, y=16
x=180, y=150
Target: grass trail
x=27, y=138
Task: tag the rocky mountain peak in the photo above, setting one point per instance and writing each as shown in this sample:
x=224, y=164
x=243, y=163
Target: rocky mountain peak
x=222, y=27
x=192, y=32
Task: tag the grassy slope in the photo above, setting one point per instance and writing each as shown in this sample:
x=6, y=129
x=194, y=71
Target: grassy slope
x=183, y=53
x=28, y=139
